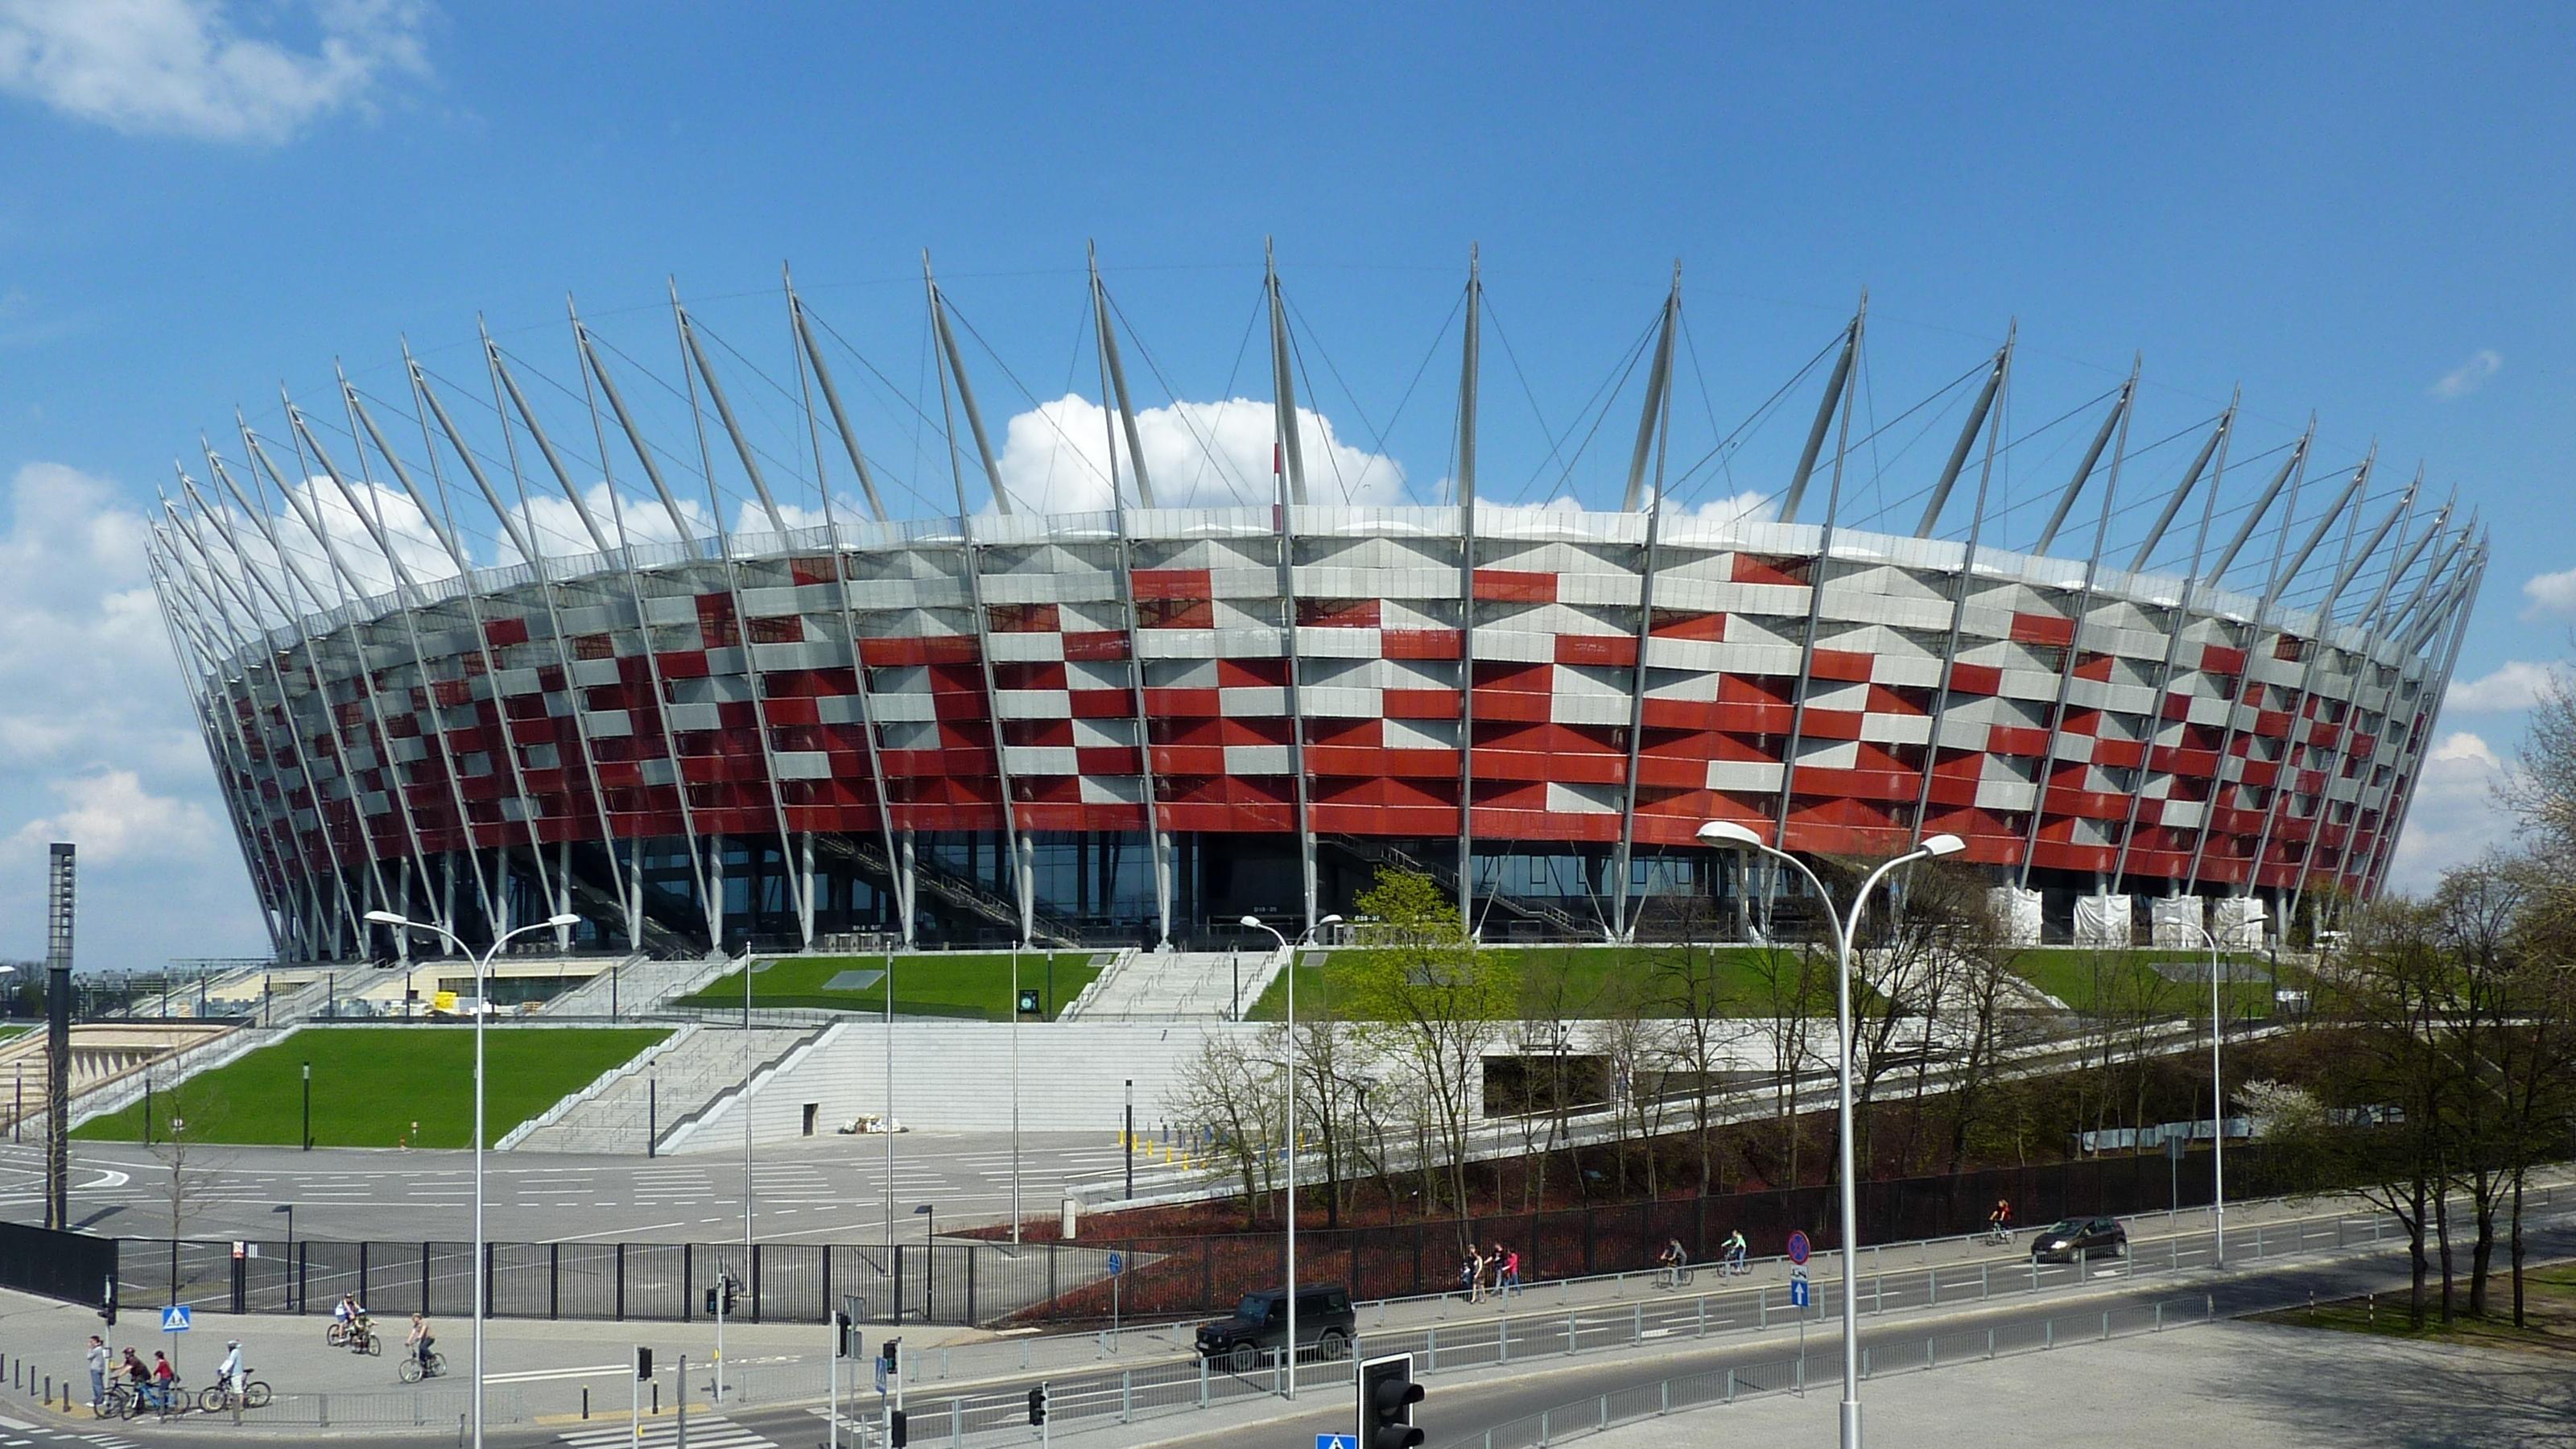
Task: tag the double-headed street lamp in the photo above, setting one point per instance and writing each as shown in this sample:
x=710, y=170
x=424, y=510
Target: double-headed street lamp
x=1728, y=833
x=1289, y=1381
x=482, y=1008
x=2254, y=916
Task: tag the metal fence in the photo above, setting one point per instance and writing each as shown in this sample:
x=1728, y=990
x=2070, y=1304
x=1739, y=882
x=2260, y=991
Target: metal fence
x=951, y=1282
x=1207, y=1273
x=72, y=1267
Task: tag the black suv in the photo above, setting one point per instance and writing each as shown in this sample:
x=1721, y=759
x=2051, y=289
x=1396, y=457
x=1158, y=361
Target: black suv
x=2060, y=1242
x=1259, y=1328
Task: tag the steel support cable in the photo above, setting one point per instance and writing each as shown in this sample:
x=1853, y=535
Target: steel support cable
x=920, y=419
x=1556, y=439
x=1377, y=435
x=1235, y=484
x=1297, y=358
x=2133, y=455
x=2163, y=564
x=1882, y=464
x=1724, y=447
x=526, y=516
x=718, y=492
x=1605, y=395
x=1036, y=404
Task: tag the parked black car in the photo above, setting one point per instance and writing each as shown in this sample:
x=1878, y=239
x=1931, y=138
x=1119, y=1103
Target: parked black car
x=1259, y=1328
x=2061, y=1241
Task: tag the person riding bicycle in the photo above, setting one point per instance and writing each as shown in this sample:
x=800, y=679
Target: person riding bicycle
x=1672, y=1259
x=1736, y=1248
x=138, y=1376
x=345, y=1312
x=165, y=1379
x=1999, y=1222
x=418, y=1341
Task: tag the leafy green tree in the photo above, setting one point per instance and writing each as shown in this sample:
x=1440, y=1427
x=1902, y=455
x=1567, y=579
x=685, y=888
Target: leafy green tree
x=1423, y=996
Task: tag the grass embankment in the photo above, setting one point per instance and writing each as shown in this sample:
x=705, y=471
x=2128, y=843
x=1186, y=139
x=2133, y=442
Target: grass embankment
x=371, y=1084
x=930, y=983
x=1595, y=977
x=2086, y=980
x=2549, y=1312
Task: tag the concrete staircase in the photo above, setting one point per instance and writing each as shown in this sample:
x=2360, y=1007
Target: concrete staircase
x=1168, y=985
x=638, y=984
x=658, y=1091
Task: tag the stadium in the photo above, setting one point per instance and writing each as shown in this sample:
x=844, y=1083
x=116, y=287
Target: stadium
x=470, y=648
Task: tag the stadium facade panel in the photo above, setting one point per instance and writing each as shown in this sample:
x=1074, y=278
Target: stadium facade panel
x=1135, y=725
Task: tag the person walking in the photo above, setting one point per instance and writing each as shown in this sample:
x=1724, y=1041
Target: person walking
x=1510, y=1277
x=97, y=1371
x=1475, y=1274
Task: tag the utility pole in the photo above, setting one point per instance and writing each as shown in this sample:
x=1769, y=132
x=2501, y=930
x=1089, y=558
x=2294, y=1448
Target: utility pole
x=60, y=885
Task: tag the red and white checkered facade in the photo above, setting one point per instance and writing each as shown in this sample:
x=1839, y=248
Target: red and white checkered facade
x=1147, y=670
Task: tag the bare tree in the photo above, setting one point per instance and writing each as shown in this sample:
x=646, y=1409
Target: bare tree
x=1229, y=1095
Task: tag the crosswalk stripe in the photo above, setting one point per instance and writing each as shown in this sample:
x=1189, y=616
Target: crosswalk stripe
x=706, y=1431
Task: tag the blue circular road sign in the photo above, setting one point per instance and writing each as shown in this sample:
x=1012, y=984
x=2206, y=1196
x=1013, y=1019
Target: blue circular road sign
x=1798, y=1248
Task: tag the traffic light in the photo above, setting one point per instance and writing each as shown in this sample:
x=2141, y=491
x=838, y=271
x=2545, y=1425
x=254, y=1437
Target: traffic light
x=1038, y=1407
x=846, y=1336
x=896, y=1433
x=727, y=1284
x=643, y=1363
x=891, y=1356
x=1387, y=1396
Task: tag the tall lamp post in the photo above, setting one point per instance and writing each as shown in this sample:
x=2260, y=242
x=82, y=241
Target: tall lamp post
x=2254, y=916
x=1288, y=1382
x=1728, y=833
x=482, y=1008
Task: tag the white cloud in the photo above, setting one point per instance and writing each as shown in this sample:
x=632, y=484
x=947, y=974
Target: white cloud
x=2514, y=684
x=2471, y=375
x=1055, y=457
x=112, y=818
x=2550, y=594
x=2455, y=817
x=187, y=68
x=97, y=740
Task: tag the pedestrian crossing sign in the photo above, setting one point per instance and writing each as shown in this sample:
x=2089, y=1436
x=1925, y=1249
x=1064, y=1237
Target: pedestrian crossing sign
x=174, y=1319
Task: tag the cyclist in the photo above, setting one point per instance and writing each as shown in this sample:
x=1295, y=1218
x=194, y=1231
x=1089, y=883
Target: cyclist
x=1999, y=1222
x=345, y=1312
x=418, y=1342
x=229, y=1373
x=1736, y=1249
x=165, y=1382
x=1671, y=1261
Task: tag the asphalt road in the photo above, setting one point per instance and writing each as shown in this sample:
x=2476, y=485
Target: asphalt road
x=1458, y=1414
x=832, y=1189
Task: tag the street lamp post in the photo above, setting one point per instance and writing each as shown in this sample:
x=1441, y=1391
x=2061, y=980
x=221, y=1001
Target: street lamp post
x=2218, y=1095
x=1728, y=833
x=308, y=1106
x=482, y=1008
x=1288, y=1381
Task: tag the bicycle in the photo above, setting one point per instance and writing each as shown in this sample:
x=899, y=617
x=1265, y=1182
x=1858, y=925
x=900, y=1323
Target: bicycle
x=1675, y=1276
x=1734, y=1265
x=1997, y=1234
x=254, y=1395
x=413, y=1370
x=360, y=1339
x=116, y=1403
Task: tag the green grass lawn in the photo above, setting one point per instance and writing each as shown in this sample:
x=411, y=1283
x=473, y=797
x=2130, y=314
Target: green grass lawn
x=2072, y=977
x=930, y=983
x=1588, y=974
x=371, y=1083
x=2549, y=1304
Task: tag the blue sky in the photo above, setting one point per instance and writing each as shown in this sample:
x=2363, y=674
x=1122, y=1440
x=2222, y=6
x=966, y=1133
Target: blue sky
x=2339, y=208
